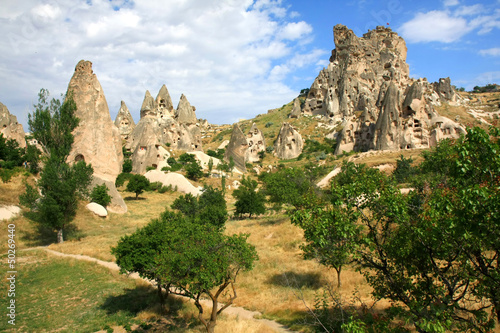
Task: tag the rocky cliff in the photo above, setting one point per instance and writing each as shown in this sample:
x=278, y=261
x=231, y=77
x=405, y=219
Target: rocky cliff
x=367, y=95
x=10, y=128
x=97, y=139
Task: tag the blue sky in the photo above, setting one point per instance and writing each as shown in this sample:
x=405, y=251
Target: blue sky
x=232, y=58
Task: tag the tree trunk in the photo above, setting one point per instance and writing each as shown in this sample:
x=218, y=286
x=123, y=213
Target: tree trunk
x=339, y=283
x=60, y=236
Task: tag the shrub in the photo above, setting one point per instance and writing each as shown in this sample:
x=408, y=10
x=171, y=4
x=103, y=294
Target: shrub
x=100, y=195
x=150, y=168
x=269, y=124
x=269, y=149
x=127, y=166
x=137, y=184
x=122, y=178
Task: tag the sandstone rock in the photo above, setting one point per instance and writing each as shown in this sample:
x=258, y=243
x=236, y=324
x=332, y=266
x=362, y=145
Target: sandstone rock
x=325, y=182
x=97, y=209
x=124, y=121
x=223, y=145
x=297, y=110
x=237, y=148
x=204, y=159
x=163, y=104
x=10, y=128
x=148, y=105
x=256, y=144
x=185, y=112
x=175, y=180
x=366, y=94
x=97, y=139
x=289, y=143
x=8, y=212
x=117, y=204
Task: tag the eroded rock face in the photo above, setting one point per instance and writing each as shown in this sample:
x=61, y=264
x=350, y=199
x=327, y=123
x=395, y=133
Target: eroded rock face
x=10, y=128
x=367, y=93
x=237, y=148
x=97, y=140
x=289, y=143
x=297, y=110
x=185, y=112
x=256, y=144
x=124, y=121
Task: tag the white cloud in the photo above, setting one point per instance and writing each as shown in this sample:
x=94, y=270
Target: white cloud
x=449, y=26
x=494, y=52
x=451, y=3
x=230, y=57
x=434, y=26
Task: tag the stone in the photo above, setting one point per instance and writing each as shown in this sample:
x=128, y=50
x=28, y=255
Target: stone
x=256, y=143
x=365, y=94
x=175, y=180
x=185, y=112
x=297, y=109
x=97, y=140
x=10, y=128
x=97, y=209
x=289, y=143
x=8, y=212
x=117, y=204
x=148, y=105
x=163, y=104
x=204, y=159
x=237, y=148
x=124, y=121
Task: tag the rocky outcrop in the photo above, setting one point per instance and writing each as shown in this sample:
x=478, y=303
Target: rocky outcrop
x=177, y=181
x=148, y=105
x=237, y=148
x=10, y=128
x=256, y=143
x=289, y=143
x=185, y=112
x=163, y=104
x=297, y=109
x=97, y=140
x=124, y=121
x=368, y=98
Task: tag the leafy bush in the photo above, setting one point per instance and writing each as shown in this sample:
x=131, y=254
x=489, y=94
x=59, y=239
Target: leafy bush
x=137, y=184
x=127, y=166
x=269, y=124
x=149, y=168
x=122, y=178
x=219, y=153
x=269, y=149
x=100, y=195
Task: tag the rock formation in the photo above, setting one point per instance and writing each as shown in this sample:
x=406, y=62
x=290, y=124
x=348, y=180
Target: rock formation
x=97, y=140
x=10, y=128
x=296, y=111
x=367, y=96
x=256, y=144
x=237, y=148
x=160, y=125
x=289, y=143
x=124, y=121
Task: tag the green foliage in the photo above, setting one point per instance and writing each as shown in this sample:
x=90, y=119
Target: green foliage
x=61, y=185
x=432, y=252
x=100, y=195
x=127, y=166
x=193, y=170
x=187, y=158
x=269, y=149
x=404, y=169
x=32, y=157
x=208, y=208
x=6, y=174
x=210, y=164
x=219, y=153
x=187, y=258
x=248, y=200
x=10, y=153
x=122, y=178
x=149, y=168
x=313, y=146
x=286, y=186
x=487, y=88
x=269, y=124
x=261, y=154
x=137, y=184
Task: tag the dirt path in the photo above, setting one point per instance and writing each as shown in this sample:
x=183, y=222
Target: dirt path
x=231, y=311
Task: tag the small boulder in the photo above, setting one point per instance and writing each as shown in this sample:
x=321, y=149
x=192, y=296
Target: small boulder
x=97, y=209
x=8, y=212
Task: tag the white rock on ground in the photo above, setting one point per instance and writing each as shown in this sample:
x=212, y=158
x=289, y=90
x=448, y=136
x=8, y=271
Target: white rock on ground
x=174, y=179
x=204, y=159
x=97, y=209
x=8, y=212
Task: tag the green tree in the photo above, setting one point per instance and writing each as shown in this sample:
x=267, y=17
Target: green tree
x=127, y=166
x=433, y=253
x=287, y=186
x=248, y=199
x=208, y=208
x=187, y=259
x=100, y=195
x=331, y=234
x=210, y=165
x=404, y=170
x=193, y=170
x=137, y=184
x=231, y=165
x=60, y=184
x=32, y=157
